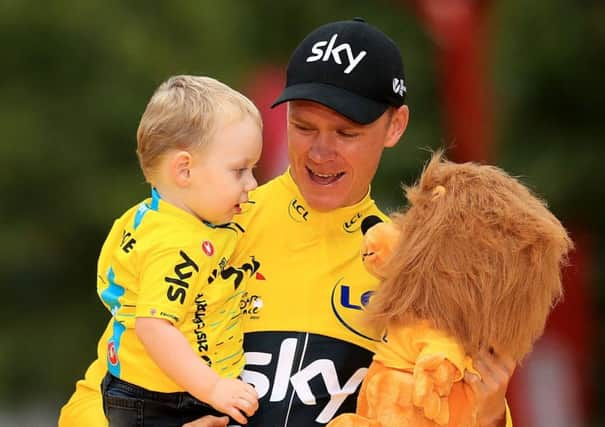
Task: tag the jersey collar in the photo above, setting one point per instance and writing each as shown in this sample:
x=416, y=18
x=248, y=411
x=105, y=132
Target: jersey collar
x=158, y=204
x=347, y=218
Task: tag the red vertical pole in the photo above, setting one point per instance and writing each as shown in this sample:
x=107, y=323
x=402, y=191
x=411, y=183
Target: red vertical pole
x=551, y=388
x=264, y=86
x=459, y=30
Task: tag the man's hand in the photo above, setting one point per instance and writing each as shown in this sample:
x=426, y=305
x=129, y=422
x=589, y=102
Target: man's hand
x=208, y=421
x=490, y=390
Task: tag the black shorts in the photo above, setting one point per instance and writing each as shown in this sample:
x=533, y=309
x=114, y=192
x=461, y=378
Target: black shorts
x=128, y=405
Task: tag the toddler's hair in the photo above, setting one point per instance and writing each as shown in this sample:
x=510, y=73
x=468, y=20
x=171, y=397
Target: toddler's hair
x=183, y=113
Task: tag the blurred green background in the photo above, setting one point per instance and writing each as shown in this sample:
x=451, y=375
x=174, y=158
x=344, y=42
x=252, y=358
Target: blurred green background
x=76, y=77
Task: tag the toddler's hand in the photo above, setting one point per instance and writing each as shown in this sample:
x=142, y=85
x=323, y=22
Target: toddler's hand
x=232, y=397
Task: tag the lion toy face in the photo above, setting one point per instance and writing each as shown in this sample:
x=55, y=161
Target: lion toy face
x=475, y=253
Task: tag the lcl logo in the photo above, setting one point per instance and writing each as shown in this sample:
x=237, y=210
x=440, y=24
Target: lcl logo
x=297, y=211
x=353, y=224
x=348, y=304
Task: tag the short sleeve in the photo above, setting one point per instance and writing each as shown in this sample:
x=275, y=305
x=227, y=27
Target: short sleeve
x=169, y=275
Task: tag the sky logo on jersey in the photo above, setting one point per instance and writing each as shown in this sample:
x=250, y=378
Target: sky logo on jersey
x=207, y=248
x=179, y=282
x=348, y=304
x=297, y=211
x=315, y=376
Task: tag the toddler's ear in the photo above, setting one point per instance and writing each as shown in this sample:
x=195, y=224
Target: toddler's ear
x=180, y=167
x=379, y=242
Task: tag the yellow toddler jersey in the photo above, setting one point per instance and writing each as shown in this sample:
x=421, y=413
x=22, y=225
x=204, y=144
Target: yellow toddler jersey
x=160, y=261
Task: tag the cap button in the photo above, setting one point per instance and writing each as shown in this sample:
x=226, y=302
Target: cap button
x=359, y=19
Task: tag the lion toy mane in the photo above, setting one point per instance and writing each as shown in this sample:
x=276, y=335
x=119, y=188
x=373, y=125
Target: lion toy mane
x=472, y=265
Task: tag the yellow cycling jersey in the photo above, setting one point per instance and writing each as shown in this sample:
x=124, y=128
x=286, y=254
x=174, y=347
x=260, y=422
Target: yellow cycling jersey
x=308, y=274
x=307, y=344
x=160, y=261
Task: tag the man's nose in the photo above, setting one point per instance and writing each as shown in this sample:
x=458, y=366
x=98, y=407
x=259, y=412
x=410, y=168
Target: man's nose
x=322, y=148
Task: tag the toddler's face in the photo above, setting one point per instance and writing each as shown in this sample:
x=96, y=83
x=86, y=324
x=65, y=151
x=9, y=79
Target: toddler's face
x=221, y=172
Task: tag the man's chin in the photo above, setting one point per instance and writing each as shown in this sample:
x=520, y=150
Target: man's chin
x=323, y=203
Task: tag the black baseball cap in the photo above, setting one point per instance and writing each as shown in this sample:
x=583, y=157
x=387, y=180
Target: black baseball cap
x=349, y=66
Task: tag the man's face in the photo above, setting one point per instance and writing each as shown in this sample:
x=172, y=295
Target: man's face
x=333, y=159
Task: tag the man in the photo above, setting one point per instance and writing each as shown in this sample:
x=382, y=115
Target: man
x=307, y=346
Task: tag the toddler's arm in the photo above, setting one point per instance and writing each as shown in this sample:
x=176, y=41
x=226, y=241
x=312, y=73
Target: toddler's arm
x=170, y=350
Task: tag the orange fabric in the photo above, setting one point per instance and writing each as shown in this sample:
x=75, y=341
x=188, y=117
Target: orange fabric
x=396, y=386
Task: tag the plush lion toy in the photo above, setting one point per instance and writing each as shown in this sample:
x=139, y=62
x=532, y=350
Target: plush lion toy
x=474, y=264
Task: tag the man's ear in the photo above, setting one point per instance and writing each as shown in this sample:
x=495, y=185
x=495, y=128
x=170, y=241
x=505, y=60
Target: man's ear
x=397, y=126
x=180, y=168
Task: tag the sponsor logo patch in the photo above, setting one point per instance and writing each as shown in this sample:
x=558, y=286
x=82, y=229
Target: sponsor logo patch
x=208, y=248
x=353, y=224
x=318, y=376
x=297, y=211
x=179, y=282
x=347, y=303
x=333, y=51
x=399, y=86
x=112, y=355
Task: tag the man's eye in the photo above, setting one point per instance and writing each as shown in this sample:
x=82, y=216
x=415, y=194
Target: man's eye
x=348, y=134
x=301, y=127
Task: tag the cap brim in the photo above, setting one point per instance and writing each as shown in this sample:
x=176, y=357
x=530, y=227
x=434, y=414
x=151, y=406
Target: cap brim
x=354, y=107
